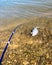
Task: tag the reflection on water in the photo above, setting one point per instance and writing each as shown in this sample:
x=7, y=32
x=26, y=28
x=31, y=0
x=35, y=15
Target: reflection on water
x=24, y=8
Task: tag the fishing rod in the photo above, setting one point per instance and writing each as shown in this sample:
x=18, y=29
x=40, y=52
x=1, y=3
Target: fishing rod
x=3, y=53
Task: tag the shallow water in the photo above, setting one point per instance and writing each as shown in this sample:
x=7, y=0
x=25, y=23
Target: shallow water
x=24, y=8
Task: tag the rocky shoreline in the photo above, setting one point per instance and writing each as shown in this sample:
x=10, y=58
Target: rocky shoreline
x=25, y=49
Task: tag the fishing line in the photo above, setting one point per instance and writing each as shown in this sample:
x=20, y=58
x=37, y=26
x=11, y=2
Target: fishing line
x=3, y=53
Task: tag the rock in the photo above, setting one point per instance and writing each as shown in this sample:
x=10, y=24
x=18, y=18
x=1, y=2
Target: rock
x=25, y=62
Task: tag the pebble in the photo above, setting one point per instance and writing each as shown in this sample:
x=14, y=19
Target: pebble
x=8, y=62
x=25, y=63
x=47, y=55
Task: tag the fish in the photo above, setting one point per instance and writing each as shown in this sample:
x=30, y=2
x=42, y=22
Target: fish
x=35, y=31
